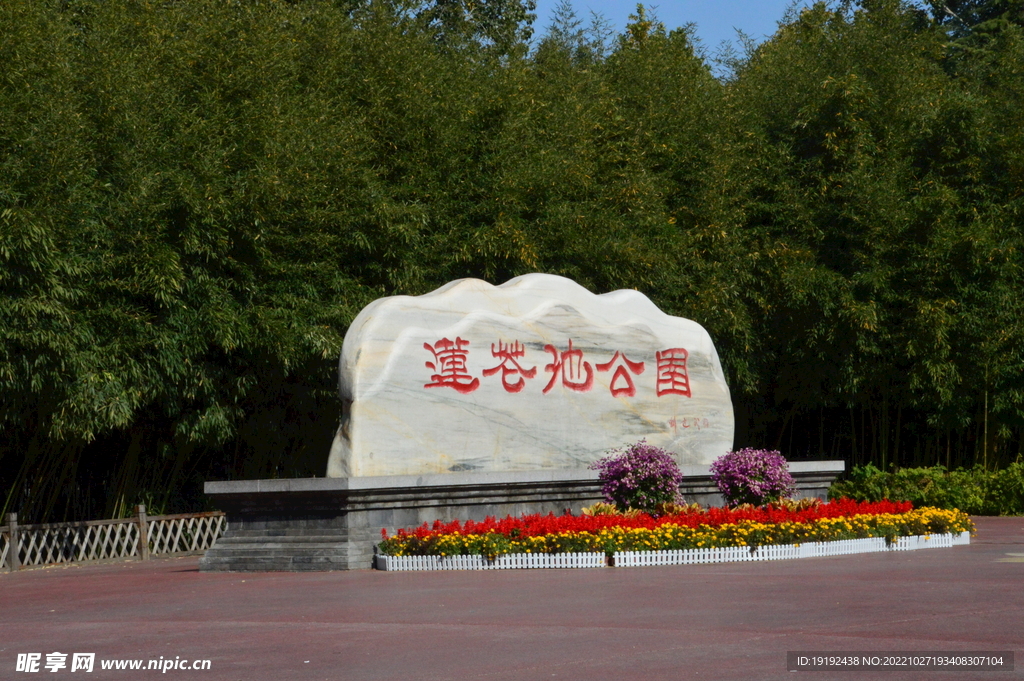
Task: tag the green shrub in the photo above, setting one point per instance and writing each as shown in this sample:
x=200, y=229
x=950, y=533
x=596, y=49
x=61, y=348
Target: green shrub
x=975, y=491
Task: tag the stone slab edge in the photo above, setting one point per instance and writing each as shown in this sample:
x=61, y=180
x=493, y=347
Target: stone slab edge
x=305, y=485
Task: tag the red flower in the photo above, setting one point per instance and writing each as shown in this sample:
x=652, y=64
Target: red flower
x=537, y=525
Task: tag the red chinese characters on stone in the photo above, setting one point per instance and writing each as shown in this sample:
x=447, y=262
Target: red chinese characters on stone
x=449, y=366
x=697, y=423
x=622, y=375
x=672, y=376
x=450, y=369
x=576, y=374
x=509, y=366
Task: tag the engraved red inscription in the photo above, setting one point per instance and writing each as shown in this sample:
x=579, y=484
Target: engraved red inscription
x=672, y=376
x=508, y=353
x=576, y=374
x=621, y=375
x=449, y=366
x=698, y=423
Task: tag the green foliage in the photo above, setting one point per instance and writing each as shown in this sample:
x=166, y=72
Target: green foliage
x=500, y=26
x=976, y=491
x=975, y=24
x=196, y=198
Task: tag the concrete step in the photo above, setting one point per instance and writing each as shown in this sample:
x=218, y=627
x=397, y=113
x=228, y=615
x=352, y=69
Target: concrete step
x=288, y=532
x=275, y=552
x=260, y=567
x=317, y=564
x=281, y=549
x=230, y=539
x=280, y=558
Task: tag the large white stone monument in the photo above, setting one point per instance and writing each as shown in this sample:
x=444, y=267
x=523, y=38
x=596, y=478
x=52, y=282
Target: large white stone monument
x=535, y=374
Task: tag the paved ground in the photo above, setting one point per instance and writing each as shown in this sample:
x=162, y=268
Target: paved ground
x=731, y=621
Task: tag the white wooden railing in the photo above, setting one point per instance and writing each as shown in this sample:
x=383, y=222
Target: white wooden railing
x=139, y=537
x=727, y=554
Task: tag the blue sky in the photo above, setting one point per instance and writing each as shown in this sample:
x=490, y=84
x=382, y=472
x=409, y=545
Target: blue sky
x=716, y=20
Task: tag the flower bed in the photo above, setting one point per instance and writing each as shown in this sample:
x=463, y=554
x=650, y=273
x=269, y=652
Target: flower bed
x=726, y=554
x=714, y=528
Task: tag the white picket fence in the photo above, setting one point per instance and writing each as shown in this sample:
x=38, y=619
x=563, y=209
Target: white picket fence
x=139, y=537
x=508, y=561
x=728, y=554
x=731, y=554
x=843, y=547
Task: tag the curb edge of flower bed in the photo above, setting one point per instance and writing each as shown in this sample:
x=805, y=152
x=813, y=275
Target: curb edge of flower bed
x=729, y=554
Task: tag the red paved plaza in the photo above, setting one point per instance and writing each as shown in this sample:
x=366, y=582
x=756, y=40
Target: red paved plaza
x=727, y=621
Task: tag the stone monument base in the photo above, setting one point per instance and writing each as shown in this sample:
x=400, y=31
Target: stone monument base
x=321, y=524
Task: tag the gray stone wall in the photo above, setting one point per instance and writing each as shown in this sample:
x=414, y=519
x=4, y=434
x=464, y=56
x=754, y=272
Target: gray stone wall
x=334, y=523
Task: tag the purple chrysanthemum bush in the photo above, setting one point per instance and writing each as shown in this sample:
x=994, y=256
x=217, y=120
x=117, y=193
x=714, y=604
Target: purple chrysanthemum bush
x=641, y=477
x=752, y=476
